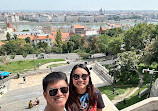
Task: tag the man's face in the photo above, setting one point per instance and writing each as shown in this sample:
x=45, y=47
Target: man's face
x=57, y=101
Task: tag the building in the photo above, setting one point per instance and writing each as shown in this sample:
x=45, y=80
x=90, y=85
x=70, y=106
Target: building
x=43, y=38
x=102, y=30
x=78, y=29
x=90, y=32
x=71, y=19
x=86, y=19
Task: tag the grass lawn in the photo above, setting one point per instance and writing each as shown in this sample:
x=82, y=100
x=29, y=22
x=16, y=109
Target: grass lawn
x=130, y=101
x=108, y=90
x=26, y=65
x=121, y=90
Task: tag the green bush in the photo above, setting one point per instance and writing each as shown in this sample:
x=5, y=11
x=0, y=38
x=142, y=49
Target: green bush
x=56, y=49
x=12, y=56
x=84, y=55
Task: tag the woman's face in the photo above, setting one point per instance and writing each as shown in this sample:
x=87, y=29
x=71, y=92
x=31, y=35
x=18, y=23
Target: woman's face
x=80, y=80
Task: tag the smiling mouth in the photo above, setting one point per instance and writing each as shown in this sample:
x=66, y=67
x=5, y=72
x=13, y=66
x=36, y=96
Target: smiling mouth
x=59, y=99
x=80, y=83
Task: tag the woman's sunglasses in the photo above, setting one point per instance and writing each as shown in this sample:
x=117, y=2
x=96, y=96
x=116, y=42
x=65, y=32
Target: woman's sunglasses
x=83, y=76
x=53, y=92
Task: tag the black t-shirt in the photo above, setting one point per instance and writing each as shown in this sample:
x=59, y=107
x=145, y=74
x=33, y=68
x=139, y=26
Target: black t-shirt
x=100, y=103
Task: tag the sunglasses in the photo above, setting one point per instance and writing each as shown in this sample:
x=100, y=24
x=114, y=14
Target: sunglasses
x=83, y=76
x=53, y=92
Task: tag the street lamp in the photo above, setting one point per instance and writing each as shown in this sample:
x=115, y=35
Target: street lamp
x=151, y=78
x=34, y=62
x=140, y=84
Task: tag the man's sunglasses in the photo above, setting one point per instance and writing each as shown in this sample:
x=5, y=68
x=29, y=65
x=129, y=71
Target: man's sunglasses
x=53, y=92
x=83, y=76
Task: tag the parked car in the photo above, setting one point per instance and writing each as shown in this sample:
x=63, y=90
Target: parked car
x=41, y=56
x=4, y=74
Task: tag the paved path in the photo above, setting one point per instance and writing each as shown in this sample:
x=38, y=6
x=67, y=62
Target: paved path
x=127, y=94
x=45, y=65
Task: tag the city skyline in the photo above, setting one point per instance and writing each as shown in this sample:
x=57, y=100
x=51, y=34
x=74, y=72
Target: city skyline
x=78, y=5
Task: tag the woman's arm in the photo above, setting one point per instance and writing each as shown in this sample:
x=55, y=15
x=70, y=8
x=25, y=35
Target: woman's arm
x=99, y=109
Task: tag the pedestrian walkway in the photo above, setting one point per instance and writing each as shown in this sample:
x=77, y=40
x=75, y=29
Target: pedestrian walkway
x=35, y=80
x=32, y=80
x=127, y=94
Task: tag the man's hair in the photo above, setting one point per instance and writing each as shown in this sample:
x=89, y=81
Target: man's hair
x=52, y=78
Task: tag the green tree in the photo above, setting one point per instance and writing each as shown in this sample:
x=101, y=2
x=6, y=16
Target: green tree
x=64, y=47
x=115, y=45
x=84, y=44
x=138, y=37
x=15, y=36
x=28, y=40
x=25, y=30
x=77, y=41
x=103, y=42
x=42, y=45
x=5, y=60
x=114, y=32
x=17, y=46
x=58, y=38
x=151, y=53
x=70, y=46
x=93, y=45
x=8, y=36
x=126, y=67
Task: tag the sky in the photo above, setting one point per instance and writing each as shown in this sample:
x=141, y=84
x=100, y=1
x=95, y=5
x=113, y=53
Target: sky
x=78, y=5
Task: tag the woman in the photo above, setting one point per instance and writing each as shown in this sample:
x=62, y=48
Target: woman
x=83, y=96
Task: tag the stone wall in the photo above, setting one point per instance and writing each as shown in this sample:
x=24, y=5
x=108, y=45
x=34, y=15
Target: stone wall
x=150, y=104
x=154, y=89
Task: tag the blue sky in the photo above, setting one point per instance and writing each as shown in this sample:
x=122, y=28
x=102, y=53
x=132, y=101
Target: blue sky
x=89, y=5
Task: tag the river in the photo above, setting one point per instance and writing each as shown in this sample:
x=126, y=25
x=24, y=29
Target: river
x=19, y=26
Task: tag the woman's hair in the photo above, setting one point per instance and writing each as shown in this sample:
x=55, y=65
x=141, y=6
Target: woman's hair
x=74, y=103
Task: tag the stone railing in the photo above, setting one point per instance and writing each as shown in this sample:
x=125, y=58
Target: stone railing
x=150, y=104
x=4, y=87
x=103, y=72
x=109, y=106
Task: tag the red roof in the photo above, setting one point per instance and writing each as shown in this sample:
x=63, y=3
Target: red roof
x=41, y=37
x=78, y=26
x=105, y=28
x=65, y=36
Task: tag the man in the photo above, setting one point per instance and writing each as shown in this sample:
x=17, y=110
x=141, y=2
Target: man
x=37, y=101
x=30, y=104
x=24, y=79
x=55, y=91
